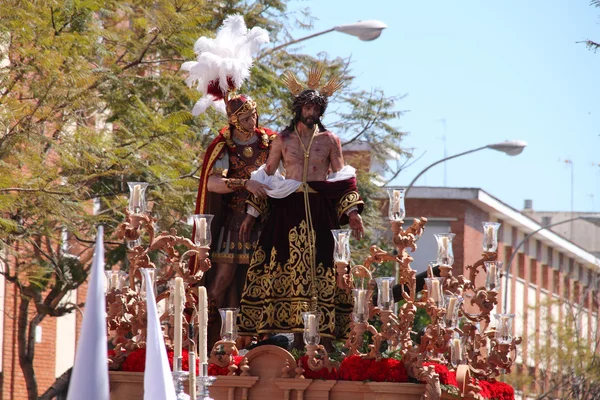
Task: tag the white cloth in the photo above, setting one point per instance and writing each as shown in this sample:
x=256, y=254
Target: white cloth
x=345, y=173
x=282, y=187
x=158, y=381
x=89, y=379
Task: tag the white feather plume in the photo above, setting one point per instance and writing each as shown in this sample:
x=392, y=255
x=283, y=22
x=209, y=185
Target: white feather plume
x=228, y=55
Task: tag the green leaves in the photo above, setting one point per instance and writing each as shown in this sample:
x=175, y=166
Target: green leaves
x=91, y=97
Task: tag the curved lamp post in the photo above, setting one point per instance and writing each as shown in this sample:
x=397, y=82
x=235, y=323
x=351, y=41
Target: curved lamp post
x=510, y=147
x=364, y=30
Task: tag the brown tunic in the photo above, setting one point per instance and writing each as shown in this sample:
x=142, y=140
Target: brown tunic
x=230, y=248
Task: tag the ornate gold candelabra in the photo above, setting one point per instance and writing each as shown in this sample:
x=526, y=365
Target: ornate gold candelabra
x=468, y=349
x=126, y=298
x=471, y=348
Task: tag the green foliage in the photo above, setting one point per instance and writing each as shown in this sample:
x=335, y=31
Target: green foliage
x=593, y=45
x=91, y=97
x=565, y=355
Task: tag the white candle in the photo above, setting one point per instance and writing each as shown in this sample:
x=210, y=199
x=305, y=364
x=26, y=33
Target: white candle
x=457, y=349
x=201, y=229
x=312, y=325
x=228, y=322
x=114, y=281
x=504, y=326
x=361, y=301
x=136, y=197
x=444, y=245
x=202, y=324
x=178, y=315
x=450, y=308
x=192, y=376
x=489, y=236
x=435, y=290
x=396, y=205
x=492, y=274
x=385, y=291
x=341, y=244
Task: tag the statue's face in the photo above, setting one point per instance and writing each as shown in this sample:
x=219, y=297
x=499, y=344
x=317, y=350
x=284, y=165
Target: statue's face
x=248, y=120
x=310, y=115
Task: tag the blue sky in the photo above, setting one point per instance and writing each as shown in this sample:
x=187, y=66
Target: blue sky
x=494, y=71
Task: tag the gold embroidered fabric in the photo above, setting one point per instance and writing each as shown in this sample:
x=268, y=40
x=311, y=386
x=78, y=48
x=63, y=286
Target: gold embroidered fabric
x=276, y=294
x=261, y=205
x=348, y=201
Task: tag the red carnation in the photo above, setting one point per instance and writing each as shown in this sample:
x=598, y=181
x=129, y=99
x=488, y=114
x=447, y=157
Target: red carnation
x=323, y=373
x=215, y=370
x=446, y=377
x=354, y=368
x=485, y=391
x=136, y=361
x=496, y=390
x=388, y=370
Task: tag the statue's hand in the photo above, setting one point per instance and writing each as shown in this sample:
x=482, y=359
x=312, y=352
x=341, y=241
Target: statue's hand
x=246, y=227
x=256, y=188
x=356, y=225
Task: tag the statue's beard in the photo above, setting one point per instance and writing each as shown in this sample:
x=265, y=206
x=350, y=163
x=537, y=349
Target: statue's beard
x=309, y=121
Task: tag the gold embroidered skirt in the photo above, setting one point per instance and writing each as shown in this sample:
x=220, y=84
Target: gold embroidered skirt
x=279, y=284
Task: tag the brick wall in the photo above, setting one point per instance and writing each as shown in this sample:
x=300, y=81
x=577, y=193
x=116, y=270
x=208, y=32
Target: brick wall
x=13, y=385
x=468, y=228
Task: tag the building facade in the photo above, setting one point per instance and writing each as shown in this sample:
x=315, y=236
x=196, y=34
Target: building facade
x=550, y=276
x=581, y=228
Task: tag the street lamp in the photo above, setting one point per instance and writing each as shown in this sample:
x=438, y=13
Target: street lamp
x=364, y=30
x=515, y=251
x=510, y=147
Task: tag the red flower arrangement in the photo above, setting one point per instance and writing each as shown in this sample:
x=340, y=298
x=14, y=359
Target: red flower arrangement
x=496, y=390
x=356, y=368
x=488, y=390
x=447, y=377
x=323, y=373
x=136, y=360
x=215, y=370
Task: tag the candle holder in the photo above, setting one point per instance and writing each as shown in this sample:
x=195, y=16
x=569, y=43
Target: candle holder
x=453, y=304
x=224, y=351
x=341, y=257
x=456, y=351
x=204, y=382
x=396, y=211
x=115, y=280
x=504, y=324
x=494, y=275
x=317, y=356
x=202, y=230
x=311, y=336
x=341, y=249
x=132, y=244
x=385, y=298
x=360, y=314
x=229, y=332
x=490, y=236
x=434, y=291
x=137, y=197
x=445, y=255
x=179, y=379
